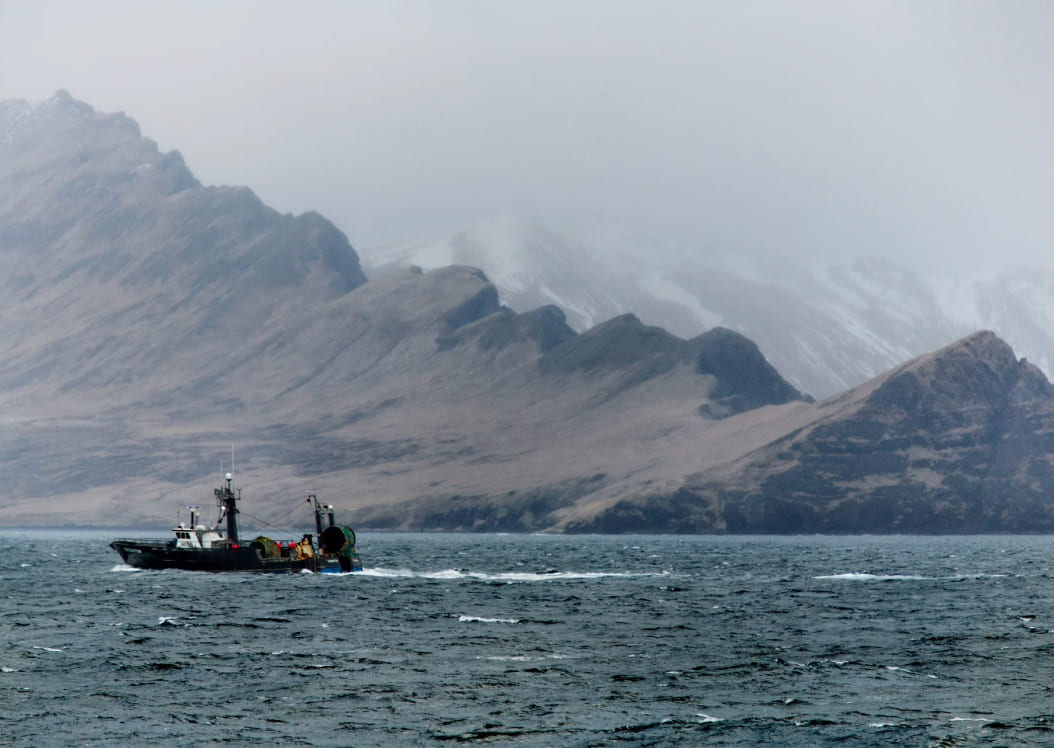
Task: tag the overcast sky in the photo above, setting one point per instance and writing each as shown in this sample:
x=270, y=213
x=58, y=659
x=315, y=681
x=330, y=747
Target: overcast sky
x=922, y=131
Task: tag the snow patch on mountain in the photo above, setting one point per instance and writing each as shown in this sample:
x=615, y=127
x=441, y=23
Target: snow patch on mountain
x=825, y=327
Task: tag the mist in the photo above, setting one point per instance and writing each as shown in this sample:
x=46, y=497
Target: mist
x=919, y=132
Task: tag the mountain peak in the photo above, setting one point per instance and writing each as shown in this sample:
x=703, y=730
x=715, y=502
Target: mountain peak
x=745, y=379
x=93, y=216
x=63, y=99
x=976, y=368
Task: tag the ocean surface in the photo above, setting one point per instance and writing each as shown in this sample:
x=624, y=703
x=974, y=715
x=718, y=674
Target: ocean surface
x=537, y=640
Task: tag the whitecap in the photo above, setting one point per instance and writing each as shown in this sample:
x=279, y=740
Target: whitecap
x=124, y=567
x=868, y=577
x=48, y=649
x=703, y=718
x=969, y=719
x=863, y=576
x=510, y=576
x=898, y=669
x=166, y=620
x=477, y=619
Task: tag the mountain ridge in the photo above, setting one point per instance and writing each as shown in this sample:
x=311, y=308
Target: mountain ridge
x=152, y=324
x=825, y=327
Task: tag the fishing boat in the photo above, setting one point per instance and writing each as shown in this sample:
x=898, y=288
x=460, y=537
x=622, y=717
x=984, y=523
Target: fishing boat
x=196, y=547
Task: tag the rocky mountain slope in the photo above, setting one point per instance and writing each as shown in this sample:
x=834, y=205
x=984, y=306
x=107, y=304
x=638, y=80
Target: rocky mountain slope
x=152, y=324
x=825, y=327
x=955, y=441
x=959, y=440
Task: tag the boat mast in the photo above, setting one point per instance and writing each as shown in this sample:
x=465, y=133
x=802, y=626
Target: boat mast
x=225, y=496
x=323, y=514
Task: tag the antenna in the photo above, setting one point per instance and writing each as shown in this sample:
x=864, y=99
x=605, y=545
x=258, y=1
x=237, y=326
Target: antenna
x=232, y=460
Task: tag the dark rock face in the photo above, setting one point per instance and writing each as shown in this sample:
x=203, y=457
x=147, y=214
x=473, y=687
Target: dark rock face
x=958, y=441
x=745, y=380
x=619, y=343
x=545, y=326
x=479, y=306
x=548, y=326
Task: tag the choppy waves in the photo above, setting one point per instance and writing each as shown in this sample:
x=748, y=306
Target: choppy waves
x=539, y=641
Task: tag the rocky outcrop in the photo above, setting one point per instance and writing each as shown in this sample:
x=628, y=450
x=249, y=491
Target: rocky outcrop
x=545, y=326
x=742, y=378
x=955, y=441
x=745, y=380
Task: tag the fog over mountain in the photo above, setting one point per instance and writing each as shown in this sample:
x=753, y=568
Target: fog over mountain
x=827, y=327
x=810, y=133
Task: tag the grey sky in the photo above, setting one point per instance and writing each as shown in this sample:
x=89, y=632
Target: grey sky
x=917, y=130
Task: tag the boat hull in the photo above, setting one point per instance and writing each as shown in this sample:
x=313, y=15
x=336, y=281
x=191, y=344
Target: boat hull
x=160, y=554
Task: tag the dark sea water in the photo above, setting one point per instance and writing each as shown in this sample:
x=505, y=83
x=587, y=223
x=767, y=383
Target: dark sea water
x=537, y=640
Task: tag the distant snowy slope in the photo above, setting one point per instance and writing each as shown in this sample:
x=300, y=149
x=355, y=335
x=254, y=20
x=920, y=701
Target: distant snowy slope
x=826, y=328
x=531, y=265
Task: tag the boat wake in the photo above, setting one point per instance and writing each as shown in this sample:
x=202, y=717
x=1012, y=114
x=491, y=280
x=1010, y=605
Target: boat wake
x=462, y=574
x=510, y=576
